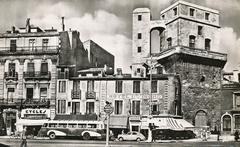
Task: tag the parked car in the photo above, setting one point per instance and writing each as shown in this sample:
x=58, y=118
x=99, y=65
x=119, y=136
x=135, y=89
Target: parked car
x=131, y=136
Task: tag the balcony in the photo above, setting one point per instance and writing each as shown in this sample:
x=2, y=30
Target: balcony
x=16, y=103
x=37, y=75
x=11, y=76
x=76, y=94
x=90, y=95
x=26, y=50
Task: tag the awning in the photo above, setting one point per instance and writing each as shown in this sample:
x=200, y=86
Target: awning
x=31, y=122
x=167, y=123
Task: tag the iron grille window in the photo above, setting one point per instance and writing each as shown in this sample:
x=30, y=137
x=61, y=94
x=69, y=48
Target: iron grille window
x=118, y=107
x=136, y=86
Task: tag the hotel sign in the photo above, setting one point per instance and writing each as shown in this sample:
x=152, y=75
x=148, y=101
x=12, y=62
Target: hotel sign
x=135, y=96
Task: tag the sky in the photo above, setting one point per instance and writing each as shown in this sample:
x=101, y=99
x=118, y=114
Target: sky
x=109, y=22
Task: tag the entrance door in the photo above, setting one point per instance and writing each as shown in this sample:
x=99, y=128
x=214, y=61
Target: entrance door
x=226, y=123
x=201, y=119
x=29, y=93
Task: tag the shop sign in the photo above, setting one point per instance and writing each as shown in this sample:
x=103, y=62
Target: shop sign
x=35, y=112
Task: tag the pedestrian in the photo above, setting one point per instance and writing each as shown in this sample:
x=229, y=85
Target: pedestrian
x=123, y=132
x=24, y=137
x=236, y=135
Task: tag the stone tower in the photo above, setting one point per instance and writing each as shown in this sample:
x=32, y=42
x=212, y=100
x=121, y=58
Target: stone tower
x=187, y=40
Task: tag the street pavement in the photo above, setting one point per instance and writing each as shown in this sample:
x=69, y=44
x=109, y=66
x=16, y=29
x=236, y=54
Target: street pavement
x=225, y=141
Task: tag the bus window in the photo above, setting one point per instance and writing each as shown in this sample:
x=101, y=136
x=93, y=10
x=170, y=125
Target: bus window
x=82, y=125
x=72, y=125
x=45, y=125
x=52, y=125
x=62, y=125
x=92, y=126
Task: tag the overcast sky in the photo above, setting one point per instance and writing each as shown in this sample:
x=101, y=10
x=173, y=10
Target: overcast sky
x=109, y=22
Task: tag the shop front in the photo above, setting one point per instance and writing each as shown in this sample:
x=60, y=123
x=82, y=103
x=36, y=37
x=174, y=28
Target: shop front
x=33, y=119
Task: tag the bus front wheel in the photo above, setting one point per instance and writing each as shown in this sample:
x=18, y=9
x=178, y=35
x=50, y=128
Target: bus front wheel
x=52, y=135
x=86, y=136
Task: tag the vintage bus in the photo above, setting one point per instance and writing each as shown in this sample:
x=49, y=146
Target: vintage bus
x=84, y=129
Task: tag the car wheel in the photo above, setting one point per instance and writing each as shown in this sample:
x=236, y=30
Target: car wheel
x=86, y=136
x=138, y=139
x=52, y=135
x=120, y=139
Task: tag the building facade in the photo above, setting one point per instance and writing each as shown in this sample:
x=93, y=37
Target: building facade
x=187, y=40
x=32, y=60
x=129, y=96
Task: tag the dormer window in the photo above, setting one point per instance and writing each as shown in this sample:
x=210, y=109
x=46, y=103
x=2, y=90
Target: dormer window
x=192, y=12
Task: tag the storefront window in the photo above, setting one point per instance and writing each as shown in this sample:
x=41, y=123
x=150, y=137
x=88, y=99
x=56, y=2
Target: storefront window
x=226, y=123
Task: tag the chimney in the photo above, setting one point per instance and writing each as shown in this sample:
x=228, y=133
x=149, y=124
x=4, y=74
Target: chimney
x=119, y=71
x=13, y=29
x=63, y=25
x=28, y=29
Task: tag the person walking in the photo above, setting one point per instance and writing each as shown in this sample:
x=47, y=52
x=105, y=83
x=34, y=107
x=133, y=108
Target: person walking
x=24, y=137
x=236, y=135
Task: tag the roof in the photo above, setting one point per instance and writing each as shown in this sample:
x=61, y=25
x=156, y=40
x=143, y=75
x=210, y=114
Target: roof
x=190, y=4
x=141, y=10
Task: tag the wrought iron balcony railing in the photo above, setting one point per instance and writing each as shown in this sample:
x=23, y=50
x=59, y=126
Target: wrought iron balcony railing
x=37, y=75
x=29, y=50
x=90, y=95
x=76, y=94
x=14, y=102
x=11, y=76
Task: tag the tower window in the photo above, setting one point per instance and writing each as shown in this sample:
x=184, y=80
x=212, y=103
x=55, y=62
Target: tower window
x=169, y=42
x=207, y=16
x=175, y=11
x=139, y=17
x=207, y=44
x=163, y=16
x=139, y=49
x=192, y=41
x=200, y=28
x=192, y=11
x=139, y=35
